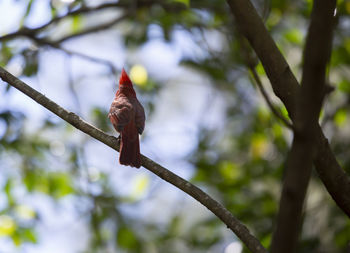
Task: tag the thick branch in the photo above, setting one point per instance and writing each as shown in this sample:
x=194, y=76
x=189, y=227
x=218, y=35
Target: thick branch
x=300, y=158
x=215, y=207
x=286, y=88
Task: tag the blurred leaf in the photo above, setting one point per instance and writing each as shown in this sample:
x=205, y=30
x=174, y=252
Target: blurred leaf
x=284, y=112
x=210, y=67
x=141, y=184
x=340, y=56
x=25, y=212
x=76, y=23
x=277, y=130
x=259, y=145
x=229, y=171
x=7, y=225
x=17, y=240
x=60, y=184
x=340, y=118
x=342, y=235
x=138, y=75
x=5, y=54
x=174, y=226
x=27, y=12
x=126, y=239
x=274, y=17
x=344, y=86
x=347, y=7
x=29, y=235
x=57, y=184
x=260, y=69
x=100, y=118
x=294, y=36
x=8, y=190
x=31, y=62
x=266, y=241
x=185, y=2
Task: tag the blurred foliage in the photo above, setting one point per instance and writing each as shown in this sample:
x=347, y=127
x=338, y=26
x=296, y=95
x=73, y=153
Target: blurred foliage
x=241, y=164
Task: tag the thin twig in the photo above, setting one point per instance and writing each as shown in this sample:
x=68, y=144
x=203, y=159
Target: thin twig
x=75, y=96
x=109, y=64
x=24, y=31
x=94, y=29
x=267, y=99
x=54, y=45
x=215, y=207
x=251, y=62
x=125, y=5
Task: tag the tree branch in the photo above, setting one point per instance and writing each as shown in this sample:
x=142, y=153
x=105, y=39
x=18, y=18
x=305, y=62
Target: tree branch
x=285, y=86
x=251, y=62
x=44, y=42
x=25, y=31
x=94, y=29
x=129, y=5
x=299, y=161
x=267, y=99
x=215, y=207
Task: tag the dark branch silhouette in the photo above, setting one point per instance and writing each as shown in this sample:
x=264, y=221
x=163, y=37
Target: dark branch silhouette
x=286, y=87
x=299, y=162
x=215, y=207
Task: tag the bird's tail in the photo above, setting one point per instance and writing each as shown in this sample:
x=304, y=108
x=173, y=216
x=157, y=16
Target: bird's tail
x=130, y=146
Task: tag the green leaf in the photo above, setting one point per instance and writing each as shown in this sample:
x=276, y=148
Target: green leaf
x=294, y=36
x=28, y=9
x=344, y=86
x=57, y=184
x=31, y=62
x=274, y=17
x=229, y=170
x=340, y=118
x=185, y=2
x=8, y=225
x=126, y=238
x=60, y=184
x=76, y=23
x=17, y=240
x=5, y=54
x=260, y=69
x=8, y=188
x=29, y=235
x=100, y=118
x=284, y=112
x=174, y=226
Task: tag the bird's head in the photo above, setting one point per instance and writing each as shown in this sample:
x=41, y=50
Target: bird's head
x=124, y=79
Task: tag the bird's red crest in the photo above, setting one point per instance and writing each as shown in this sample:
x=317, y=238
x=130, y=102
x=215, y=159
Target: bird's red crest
x=124, y=78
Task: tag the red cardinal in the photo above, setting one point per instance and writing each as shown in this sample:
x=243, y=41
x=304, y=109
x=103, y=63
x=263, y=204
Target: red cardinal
x=128, y=118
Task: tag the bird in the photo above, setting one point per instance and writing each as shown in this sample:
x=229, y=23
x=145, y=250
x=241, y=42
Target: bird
x=127, y=116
